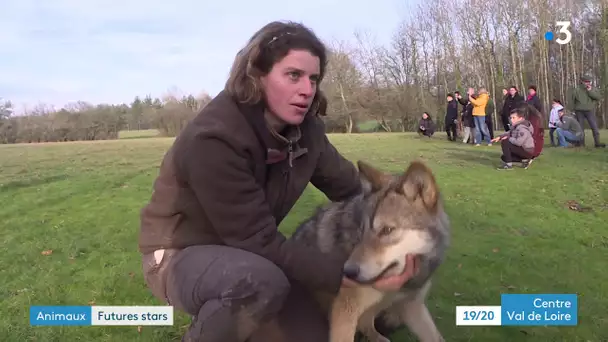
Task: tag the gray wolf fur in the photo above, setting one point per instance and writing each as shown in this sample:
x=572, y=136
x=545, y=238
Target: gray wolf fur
x=395, y=215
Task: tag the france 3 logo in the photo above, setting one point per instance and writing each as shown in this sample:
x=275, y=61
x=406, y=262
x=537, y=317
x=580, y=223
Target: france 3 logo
x=564, y=35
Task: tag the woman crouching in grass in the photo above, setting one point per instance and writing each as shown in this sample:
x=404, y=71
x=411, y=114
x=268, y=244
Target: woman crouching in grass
x=209, y=236
x=518, y=143
x=426, y=126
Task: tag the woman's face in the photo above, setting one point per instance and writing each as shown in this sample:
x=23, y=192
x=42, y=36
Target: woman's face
x=290, y=87
x=425, y=116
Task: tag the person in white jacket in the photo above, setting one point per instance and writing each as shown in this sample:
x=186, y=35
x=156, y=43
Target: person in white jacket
x=556, y=105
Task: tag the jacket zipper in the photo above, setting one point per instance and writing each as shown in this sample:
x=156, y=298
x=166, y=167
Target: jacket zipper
x=290, y=153
x=286, y=173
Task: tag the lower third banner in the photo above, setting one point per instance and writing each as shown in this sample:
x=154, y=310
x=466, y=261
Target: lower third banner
x=539, y=309
x=101, y=315
x=523, y=310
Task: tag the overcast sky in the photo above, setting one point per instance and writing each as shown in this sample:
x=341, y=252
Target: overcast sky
x=60, y=51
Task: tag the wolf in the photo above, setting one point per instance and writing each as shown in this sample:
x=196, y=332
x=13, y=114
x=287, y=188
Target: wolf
x=394, y=215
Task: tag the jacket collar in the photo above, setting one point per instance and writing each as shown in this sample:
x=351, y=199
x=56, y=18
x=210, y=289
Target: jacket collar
x=278, y=147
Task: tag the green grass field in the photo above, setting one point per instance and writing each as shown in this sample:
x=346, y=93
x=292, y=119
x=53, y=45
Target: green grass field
x=70, y=222
x=138, y=134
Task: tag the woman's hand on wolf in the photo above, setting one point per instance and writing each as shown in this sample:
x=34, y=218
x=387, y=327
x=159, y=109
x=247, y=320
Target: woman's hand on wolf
x=394, y=283
x=349, y=283
x=391, y=283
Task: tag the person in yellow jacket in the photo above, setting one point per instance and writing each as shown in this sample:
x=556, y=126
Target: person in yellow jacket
x=479, y=114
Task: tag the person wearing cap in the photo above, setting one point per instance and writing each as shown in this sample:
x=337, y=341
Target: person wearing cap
x=582, y=100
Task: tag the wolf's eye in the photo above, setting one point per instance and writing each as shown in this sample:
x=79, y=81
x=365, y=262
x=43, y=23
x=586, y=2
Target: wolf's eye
x=386, y=230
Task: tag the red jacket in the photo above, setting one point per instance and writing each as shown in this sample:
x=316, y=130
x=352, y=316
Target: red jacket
x=538, y=135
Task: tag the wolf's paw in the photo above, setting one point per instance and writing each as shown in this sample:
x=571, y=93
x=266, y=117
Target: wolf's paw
x=438, y=339
x=381, y=339
x=376, y=338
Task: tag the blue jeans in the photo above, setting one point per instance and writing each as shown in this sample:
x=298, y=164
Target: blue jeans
x=481, y=126
x=565, y=137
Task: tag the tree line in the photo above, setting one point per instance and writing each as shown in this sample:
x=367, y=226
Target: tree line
x=444, y=46
x=450, y=45
x=84, y=121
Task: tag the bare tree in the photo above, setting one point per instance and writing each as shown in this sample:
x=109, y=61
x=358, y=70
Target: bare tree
x=444, y=46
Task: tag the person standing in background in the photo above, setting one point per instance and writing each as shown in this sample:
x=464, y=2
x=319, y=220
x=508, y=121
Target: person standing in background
x=554, y=119
x=489, y=116
x=512, y=100
x=533, y=99
x=479, y=115
x=451, y=118
x=582, y=101
x=467, y=118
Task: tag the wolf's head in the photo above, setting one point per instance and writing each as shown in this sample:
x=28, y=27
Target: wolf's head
x=407, y=219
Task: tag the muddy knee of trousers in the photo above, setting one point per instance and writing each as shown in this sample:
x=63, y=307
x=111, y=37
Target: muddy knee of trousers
x=260, y=291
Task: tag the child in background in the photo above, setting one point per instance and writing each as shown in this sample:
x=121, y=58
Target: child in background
x=518, y=143
x=554, y=118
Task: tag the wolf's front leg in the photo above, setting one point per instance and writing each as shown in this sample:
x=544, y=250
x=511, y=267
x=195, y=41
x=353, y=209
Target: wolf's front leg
x=346, y=310
x=344, y=316
x=366, y=326
x=418, y=319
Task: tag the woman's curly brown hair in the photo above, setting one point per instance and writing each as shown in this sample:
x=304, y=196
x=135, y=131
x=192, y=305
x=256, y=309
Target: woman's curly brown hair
x=266, y=47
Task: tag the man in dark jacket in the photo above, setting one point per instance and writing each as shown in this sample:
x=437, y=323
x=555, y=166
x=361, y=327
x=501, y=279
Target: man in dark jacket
x=582, y=101
x=512, y=101
x=451, y=117
x=489, y=118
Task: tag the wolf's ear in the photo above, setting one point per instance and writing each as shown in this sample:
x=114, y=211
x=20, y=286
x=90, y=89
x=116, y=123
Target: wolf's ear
x=419, y=182
x=372, y=179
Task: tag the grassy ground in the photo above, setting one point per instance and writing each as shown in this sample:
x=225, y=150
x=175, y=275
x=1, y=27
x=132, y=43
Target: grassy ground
x=78, y=203
x=138, y=134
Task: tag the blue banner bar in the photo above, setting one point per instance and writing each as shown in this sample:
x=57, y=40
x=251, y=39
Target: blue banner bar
x=539, y=309
x=60, y=315
x=101, y=315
